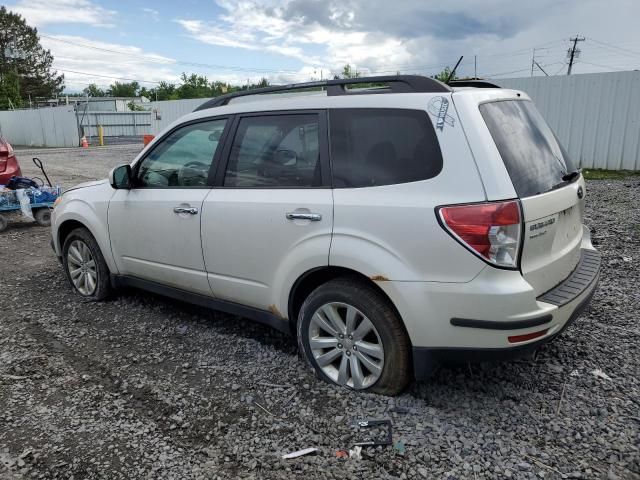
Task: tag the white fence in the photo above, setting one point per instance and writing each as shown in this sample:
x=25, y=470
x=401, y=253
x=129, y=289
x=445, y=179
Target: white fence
x=596, y=115
x=164, y=113
x=115, y=124
x=46, y=127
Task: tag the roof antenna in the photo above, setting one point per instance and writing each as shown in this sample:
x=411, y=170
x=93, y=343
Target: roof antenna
x=453, y=72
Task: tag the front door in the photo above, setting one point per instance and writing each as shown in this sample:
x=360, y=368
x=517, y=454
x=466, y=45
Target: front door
x=271, y=217
x=155, y=226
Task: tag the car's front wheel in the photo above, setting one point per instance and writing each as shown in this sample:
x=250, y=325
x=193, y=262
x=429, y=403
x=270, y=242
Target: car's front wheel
x=84, y=265
x=351, y=336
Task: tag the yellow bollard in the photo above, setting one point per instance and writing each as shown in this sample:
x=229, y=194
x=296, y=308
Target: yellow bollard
x=100, y=135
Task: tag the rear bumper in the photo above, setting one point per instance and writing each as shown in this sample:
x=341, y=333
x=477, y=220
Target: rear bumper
x=479, y=319
x=427, y=359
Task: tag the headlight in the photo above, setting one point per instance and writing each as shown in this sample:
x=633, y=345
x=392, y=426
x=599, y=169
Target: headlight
x=57, y=201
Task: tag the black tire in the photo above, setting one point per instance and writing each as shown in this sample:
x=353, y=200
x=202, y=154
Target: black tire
x=4, y=223
x=43, y=217
x=396, y=369
x=102, y=284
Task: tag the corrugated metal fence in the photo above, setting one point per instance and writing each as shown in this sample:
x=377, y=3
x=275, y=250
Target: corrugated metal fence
x=596, y=116
x=115, y=124
x=46, y=127
x=164, y=113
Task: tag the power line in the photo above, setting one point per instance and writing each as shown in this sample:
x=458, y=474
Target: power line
x=166, y=60
x=107, y=76
x=489, y=75
x=605, y=66
x=170, y=61
x=609, y=45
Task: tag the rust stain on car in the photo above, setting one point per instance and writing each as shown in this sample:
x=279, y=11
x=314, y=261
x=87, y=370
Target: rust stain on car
x=379, y=278
x=273, y=309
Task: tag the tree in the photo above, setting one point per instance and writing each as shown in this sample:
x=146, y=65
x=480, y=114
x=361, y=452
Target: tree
x=194, y=86
x=135, y=107
x=118, y=89
x=10, y=91
x=443, y=76
x=22, y=57
x=93, y=91
x=348, y=72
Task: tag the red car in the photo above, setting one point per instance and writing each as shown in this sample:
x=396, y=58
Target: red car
x=9, y=165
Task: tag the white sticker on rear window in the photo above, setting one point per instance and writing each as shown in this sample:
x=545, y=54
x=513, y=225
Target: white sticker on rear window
x=438, y=107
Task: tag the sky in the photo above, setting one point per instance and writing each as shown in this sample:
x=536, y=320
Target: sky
x=101, y=41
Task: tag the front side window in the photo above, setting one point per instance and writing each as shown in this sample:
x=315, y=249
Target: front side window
x=183, y=158
x=382, y=146
x=275, y=151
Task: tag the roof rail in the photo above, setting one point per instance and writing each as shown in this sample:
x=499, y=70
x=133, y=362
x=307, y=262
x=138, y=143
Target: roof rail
x=474, y=82
x=395, y=84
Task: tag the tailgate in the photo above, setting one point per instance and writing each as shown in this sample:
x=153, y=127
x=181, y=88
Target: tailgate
x=552, y=235
x=550, y=188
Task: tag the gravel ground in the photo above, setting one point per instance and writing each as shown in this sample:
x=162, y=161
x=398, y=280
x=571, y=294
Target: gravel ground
x=144, y=387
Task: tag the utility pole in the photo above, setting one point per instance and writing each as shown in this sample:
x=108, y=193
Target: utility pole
x=475, y=66
x=533, y=60
x=573, y=52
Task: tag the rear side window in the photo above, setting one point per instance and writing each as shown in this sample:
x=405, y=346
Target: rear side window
x=382, y=146
x=534, y=158
x=275, y=151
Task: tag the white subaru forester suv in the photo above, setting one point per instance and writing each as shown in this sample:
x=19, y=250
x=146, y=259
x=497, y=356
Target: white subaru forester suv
x=391, y=227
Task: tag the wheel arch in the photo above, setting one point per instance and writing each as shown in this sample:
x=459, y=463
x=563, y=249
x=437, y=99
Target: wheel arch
x=312, y=279
x=66, y=226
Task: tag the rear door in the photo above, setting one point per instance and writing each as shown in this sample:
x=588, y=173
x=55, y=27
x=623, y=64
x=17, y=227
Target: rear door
x=548, y=184
x=270, y=217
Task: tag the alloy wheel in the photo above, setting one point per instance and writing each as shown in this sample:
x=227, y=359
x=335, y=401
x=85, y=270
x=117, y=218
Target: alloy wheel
x=82, y=267
x=346, y=345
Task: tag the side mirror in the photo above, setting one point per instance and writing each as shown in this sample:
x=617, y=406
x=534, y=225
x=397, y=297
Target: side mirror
x=120, y=177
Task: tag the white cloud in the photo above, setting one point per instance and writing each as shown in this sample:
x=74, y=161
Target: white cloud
x=152, y=13
x=106, y=60
x=424, y=36
x=265, y=26
x=43, y=12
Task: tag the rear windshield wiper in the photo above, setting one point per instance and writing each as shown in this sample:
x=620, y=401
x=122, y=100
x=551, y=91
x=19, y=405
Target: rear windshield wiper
x=567, y=178
x=571, y=176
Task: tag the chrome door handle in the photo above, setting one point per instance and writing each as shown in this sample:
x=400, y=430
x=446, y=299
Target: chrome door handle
x=191, y=210
x=314, y=217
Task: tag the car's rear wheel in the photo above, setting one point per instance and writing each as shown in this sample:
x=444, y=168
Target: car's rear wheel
x=84, y=265
x=351, y=336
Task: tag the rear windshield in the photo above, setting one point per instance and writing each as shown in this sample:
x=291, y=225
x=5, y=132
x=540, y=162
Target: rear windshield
x=534, y=158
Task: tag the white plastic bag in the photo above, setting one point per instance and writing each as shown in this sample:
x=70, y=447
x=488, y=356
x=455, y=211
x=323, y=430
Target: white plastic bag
x=25, y=203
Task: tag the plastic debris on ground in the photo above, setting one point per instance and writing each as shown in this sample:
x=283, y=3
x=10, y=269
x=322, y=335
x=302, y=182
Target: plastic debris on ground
x=356, y=453
x=600, y=374
x=380, y=432
x=300, y=453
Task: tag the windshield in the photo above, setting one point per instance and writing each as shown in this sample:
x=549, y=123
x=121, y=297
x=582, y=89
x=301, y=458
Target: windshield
x=530, y=151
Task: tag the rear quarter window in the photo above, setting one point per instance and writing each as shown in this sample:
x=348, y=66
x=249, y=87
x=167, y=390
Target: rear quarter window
x=373, y=147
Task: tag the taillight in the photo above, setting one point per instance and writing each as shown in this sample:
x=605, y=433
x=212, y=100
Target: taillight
x=5, y=152
x=490, y=230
